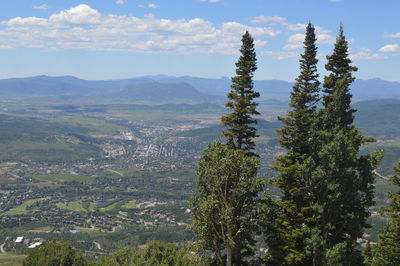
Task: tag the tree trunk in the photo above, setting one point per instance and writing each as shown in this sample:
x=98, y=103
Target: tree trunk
x=237, y=256
x=228, y=256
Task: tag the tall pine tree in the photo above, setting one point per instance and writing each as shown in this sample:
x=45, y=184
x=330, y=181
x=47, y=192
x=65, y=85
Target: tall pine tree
x=297, y=138
x=342, y=181
x=240, y=132
x=339, y=64
x=387, y=250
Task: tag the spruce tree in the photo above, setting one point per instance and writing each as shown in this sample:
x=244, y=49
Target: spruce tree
x=339, y=64
x=387, y=250
x=240, y=132
x=297, y=138
x=342, y=181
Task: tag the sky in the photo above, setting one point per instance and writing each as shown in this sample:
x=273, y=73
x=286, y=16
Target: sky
x=112, y=39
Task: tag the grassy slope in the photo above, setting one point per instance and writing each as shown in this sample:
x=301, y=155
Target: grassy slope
x=21, y=209
x=26, y=138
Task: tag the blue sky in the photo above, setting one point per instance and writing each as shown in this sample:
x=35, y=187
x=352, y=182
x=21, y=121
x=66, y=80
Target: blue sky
x=109, y=39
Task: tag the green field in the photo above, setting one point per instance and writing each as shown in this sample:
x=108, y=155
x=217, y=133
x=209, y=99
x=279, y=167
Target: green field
x=64, y=178
x=72, y=206
x=11, y=259
x=130, y=205
x=21, y=209
x=109, y=207
x=94, y=126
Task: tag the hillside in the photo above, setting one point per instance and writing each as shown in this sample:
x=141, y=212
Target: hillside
x=35, y=139
x=161, y=89
x=162, y=92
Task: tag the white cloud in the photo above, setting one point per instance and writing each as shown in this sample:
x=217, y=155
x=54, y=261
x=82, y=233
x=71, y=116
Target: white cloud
x=268, y=19
x=121, y=2
x=281, y=55
x=149, y=16
x=295, y=41
x=6, y=47
x=395, y=35
x=297, y=27
x=83, y=27
x=366, y=54
x=296, y=38
x=390, y=48
x=152, y=6
x=292, y=46
x=42, y=7
x=277, y=20
x=82, y=14
x=302, y=27
x=325, y=39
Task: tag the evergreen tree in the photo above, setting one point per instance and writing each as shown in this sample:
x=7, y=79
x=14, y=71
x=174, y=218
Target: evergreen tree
x=387, y=250
x=226, y=202
x=240, y=131
x=297, y=138
x=342, y=181
x=338, y=64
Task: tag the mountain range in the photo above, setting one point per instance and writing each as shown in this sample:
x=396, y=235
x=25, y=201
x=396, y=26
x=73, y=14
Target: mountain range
x=162, y=89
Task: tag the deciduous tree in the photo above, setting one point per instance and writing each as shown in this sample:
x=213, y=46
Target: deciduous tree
x=226, y=202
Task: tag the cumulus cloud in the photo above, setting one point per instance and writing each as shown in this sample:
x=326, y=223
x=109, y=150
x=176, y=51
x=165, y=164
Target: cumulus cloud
x=292, y=46
x=366, y=54
x=302, y=27
x=395, y=35
x=82, y=14
x=268, y=19
x=281, y=55
x=42, y=7
x=83, y=27
x=6, y=47
x=121, y=2
x=295, y=41
x=390, y=48
x=277, y=20
x=152, y=6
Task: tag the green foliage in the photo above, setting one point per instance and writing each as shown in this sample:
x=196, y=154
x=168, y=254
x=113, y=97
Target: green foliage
x=298, y=125
x=286, y=235
x=225, y=205
x=339, y=65
x=327, y=187
x=155, y=253
x=367, y=254
x=387, y=249
x=240, y=132
x=341, y=187
x=54, y=253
